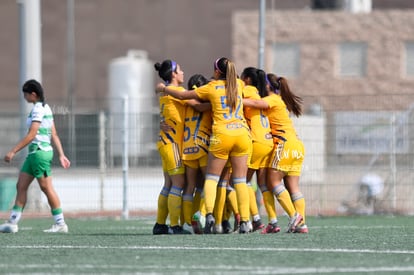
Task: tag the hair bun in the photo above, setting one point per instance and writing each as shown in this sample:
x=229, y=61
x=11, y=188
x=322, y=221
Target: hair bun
x=157, y=66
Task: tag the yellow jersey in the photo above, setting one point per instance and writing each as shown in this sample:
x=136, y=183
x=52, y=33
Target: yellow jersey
x=280, y=122
x=225, y=120
x=257, y=118
x=197, y=132
x=172, y=112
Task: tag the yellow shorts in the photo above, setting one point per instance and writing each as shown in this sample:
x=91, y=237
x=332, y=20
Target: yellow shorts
x=222, y=146
x=288, y=157
x=260, y=156
x=171, y=159
x=196, y=163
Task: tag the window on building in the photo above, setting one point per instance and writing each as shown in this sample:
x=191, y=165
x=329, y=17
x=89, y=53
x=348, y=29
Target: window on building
x=286, y=59
x=409, y=58
x=326, y=4
x=352, y=59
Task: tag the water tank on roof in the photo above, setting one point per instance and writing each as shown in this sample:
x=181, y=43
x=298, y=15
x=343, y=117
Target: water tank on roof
x=358, y=6
x=132, y=75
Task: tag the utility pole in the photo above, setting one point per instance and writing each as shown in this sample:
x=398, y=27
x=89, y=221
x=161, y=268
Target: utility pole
x=262, y=40
x=30, y=63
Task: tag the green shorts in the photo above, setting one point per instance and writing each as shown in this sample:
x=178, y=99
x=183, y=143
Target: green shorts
x=38, y=164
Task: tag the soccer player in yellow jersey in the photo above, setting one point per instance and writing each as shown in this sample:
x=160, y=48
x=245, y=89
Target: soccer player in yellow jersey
x=197, y=131
x=287, y=158
x=230, y=136
x=172, y=112
x=255, y=80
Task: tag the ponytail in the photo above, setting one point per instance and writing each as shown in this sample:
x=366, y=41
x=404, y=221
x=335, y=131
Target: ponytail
x=231, y=85
x=227, y=71
x=257, y=79
x=293, y=102
x=261, y=83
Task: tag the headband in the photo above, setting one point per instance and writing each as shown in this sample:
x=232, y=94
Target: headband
x=216, y=65
x=276, y=90
x=173, y=69
x=173, y=65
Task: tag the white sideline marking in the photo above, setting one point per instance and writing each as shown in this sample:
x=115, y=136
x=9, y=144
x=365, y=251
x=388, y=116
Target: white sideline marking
x=321, y=250
x=220, y=268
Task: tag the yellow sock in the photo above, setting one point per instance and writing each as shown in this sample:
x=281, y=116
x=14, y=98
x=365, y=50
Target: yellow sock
x=174, y=205
x=220, y=201
x=242, y=193
x=232, y=200
x=187, y=208
x=283, y=197
x=254, y=210
x=162, y=210
x=210, y=192
x=203, y=210
x=182, y=214
x=269, y=203
x=299, y=203
x=227, y=211
x=196, y=200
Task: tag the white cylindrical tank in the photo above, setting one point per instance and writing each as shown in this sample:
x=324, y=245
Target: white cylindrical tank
x=358, y=6
x=132, y=75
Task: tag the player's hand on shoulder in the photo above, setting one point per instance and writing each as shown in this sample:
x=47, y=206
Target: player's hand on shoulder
x=160, y=88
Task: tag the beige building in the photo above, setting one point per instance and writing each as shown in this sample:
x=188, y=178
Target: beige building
x=339, y=60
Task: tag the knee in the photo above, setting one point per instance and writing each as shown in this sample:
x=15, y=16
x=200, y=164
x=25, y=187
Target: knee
x=45, y=188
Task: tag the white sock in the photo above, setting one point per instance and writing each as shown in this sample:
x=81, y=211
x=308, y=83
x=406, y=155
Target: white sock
x=273, y=221
x=15, y=216
x=59, y=219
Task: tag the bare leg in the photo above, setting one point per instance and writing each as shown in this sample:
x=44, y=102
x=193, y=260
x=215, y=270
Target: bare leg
x=47, y=188
x=23, y=184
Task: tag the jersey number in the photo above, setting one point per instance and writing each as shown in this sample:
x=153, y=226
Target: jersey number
x=229, y=114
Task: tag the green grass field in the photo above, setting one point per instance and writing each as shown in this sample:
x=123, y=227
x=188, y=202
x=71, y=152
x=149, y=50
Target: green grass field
x=334, y=245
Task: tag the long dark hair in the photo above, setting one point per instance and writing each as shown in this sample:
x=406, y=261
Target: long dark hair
x=165, y=69
x=258, y=79
x=33, y=85
x=293, y=102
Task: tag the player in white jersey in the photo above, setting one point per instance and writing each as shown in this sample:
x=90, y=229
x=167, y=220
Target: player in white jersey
x=39, y=138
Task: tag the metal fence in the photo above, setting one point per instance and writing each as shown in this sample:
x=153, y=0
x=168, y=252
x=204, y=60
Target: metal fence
x=341, y=147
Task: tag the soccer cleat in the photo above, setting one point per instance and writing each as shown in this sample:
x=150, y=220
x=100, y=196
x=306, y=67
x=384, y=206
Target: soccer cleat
x=271, y=228
x=218, y=229
x=177, y=230
x=8, y=227
x=236, y=222
x=302, y=228
x=188, y=228
x=293, y=222
x=226, y=227
x=210, y=222
x=160, y=229
x=244, y=228
x=198, y=223
x=258, y=225
x=57, y=228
